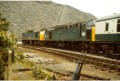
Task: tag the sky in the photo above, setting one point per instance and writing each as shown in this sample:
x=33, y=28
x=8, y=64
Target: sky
x=98, y=8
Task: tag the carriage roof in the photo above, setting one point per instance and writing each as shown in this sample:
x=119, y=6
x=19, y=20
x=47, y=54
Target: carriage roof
x=115, y=16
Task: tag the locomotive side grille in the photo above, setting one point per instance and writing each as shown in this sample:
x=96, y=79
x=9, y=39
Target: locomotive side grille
x=50, y=35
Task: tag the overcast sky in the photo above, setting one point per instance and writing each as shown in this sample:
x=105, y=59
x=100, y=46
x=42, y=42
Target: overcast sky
x=98, y=8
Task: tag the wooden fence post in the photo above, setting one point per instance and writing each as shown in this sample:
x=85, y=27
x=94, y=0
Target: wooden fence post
x=9, y=64
x=8, y=68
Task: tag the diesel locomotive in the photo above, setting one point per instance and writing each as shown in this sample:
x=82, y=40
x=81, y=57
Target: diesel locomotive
x=100, y=36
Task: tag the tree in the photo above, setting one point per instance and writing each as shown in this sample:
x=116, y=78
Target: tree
x=7, y=42
x=3, y=23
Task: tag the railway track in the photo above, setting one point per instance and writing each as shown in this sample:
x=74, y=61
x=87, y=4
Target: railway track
x=100, y=62
x=84, y=76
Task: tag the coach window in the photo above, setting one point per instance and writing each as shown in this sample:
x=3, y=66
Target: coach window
x=118, y=25
x=107, y=27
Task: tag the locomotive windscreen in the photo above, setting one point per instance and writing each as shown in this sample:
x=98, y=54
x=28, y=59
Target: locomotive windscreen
x=90, y=24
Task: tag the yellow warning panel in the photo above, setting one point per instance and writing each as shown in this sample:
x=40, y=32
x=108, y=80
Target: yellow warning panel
x=93, y=33
x=42, y=35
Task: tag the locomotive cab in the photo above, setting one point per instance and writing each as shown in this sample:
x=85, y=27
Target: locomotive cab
x=42, y=35
x=90, y=30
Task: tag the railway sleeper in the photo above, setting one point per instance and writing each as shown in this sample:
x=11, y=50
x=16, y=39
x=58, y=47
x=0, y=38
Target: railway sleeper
x=73, y=57
x=106, y=66
x=115, y=63
x=95, y=77
x=89, y=61
x=117, y=68
x=100, y=64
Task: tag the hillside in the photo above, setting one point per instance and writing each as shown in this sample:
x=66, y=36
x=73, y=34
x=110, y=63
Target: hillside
x=27, y=15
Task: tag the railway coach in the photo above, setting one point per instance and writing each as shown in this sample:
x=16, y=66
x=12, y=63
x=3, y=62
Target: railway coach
x=108, y=35
x=108, y=28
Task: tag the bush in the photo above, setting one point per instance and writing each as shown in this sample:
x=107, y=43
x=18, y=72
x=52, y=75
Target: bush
x=21, y=57
x=41, y=74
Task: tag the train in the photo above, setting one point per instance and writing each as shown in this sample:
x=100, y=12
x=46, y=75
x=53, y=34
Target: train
x=100, y=36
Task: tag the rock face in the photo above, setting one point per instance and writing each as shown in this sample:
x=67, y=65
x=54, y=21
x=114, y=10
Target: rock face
x=27, y=15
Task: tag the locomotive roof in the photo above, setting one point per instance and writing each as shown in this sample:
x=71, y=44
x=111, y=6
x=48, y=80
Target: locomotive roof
x=108, y=17
x=61, y=26
x=65, y=25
